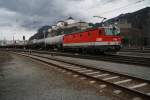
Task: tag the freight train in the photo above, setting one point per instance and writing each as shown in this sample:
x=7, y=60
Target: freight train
x=70, y=35
x=104, y=39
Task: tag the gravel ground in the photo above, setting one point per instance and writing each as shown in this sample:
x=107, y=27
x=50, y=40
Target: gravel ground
x=24, y=79
x=4, y=57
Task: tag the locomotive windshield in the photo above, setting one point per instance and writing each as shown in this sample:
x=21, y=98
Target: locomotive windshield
x=112, y=31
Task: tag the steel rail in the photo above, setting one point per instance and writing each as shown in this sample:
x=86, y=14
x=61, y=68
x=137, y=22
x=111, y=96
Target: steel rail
x=112, y=58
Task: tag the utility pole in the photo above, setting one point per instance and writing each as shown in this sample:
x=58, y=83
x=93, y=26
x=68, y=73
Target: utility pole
x=44, y=39
x=24, y=42
x=13, y=41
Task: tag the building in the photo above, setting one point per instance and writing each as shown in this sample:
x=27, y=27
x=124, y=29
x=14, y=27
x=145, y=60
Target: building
x=70, y=20
x=62, y=27
x=60, y=23
x=68, y=26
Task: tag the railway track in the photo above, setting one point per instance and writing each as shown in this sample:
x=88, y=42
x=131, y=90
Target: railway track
x=112, y=58
x=136, y=88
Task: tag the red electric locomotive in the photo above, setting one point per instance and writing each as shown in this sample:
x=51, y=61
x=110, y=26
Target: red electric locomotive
x=98, y=39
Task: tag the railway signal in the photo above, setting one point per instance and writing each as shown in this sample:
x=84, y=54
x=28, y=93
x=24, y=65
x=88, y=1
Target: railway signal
x=24, y=38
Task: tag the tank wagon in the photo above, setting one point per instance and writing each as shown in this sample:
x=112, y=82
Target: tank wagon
x=48, y=42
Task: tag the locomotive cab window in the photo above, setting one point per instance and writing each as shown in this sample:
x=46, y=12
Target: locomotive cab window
x=112, y=31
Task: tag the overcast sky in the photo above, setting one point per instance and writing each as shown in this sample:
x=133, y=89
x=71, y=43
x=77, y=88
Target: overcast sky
x=24, y=17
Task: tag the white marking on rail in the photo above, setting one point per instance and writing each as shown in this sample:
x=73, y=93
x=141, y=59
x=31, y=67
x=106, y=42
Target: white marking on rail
x=110, y=78
x=91, y=73
x=138, y=86
x=123, y=81
x=75, y=75
x=79, y=69
x=100, y=91
x=70, y=66
x=76, y=54
x=117, y=91
x=92, y=82
x=73, y=67
x=102, y=86
x=85, y=71
x=64, y=71
x=101, y=75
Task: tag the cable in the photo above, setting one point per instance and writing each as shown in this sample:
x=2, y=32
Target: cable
x=139, y=1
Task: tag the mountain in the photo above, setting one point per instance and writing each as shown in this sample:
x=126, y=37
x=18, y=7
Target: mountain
x=139, y=19
x=41, y=33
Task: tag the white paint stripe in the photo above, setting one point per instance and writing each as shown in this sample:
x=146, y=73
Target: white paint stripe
x=63, y=71
x=69, y=66
x=92, y=82
x=85, y=71
x=91, y=43
x=75, y=75
x=117, y=91
x=73, y=67
x=101, y=75
x=91, y=73
x=123, y=81
x=79, y=69
x=138, y=86
x=103, y=86
x=110, y=78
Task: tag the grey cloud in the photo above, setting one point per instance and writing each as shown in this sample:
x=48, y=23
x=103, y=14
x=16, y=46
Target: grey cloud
x=39, y=11
x=32, y=14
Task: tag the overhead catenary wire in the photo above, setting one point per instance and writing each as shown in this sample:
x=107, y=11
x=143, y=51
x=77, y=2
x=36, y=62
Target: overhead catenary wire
x=139, y=1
